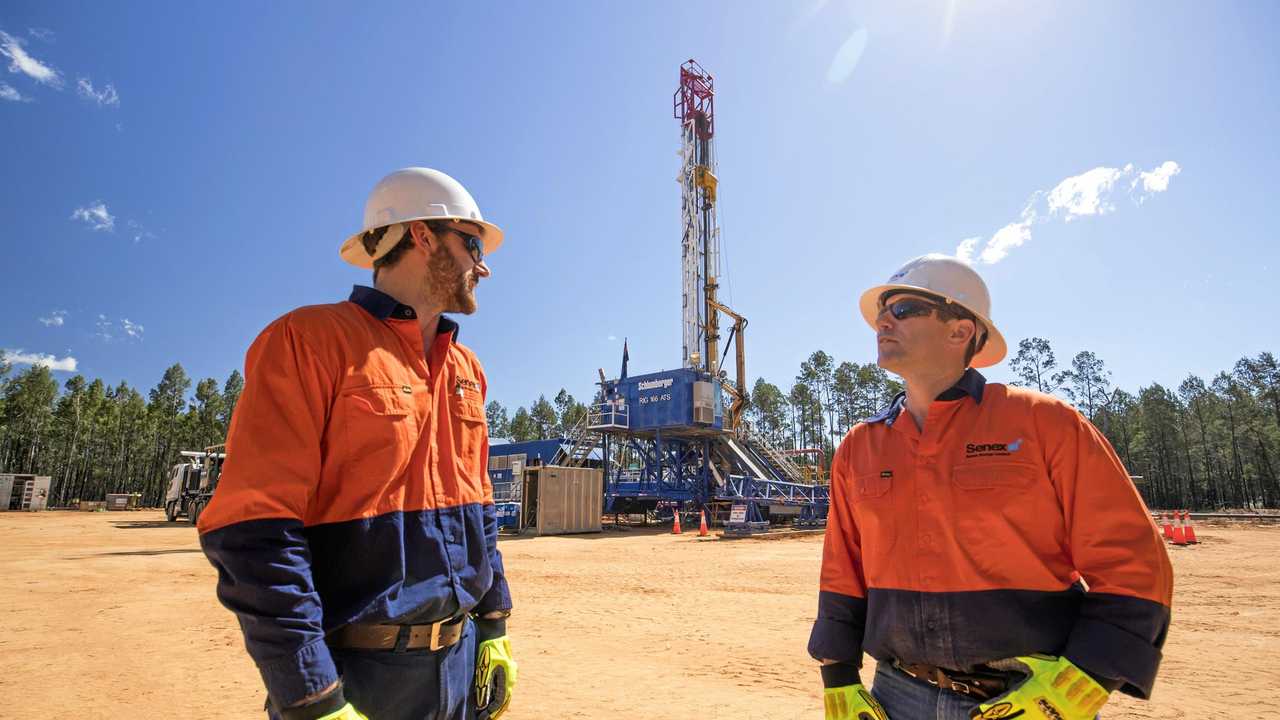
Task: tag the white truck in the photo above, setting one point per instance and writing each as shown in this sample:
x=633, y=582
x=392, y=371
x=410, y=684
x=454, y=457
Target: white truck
x=192, y=482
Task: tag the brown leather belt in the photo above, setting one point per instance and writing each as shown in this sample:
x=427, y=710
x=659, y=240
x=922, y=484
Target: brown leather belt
x=981, y=683
x=435, y=636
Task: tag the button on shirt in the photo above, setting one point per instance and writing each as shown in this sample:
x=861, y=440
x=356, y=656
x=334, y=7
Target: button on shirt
x=355, y=486
x=959, y=544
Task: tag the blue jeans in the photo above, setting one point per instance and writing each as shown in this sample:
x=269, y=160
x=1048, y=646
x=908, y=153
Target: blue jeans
x=905, y=698
x=412, y=685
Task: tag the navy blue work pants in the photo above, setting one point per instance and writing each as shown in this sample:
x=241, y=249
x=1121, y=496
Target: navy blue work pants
x=411, y=685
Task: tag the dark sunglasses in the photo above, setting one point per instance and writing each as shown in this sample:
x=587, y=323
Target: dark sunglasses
x=473, y=244
x=907, y=308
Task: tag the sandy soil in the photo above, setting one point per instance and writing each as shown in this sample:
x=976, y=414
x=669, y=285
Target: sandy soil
x=107, y=612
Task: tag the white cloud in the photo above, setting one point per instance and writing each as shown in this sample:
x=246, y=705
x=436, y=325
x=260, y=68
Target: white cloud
x=1156, y=181
x=104, y=328
x=1086, y=194
x=96, y=215
x=10, y=93
x=55, y=319
x=41, y=34
x=1006, y=238
x=139, y=232
x=21, y=62
x=131, y=329
x=106, y=96
x=109, y=331
x=964, y=251
x=1083, y=195
x=18, y=357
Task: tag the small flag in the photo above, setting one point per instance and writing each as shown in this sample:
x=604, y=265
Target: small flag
x=625, y=358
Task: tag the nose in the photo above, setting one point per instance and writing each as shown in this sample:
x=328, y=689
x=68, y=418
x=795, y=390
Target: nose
x=482, y=269
x=884, y=320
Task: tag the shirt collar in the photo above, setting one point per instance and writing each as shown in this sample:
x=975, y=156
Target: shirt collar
x=972, y=383
x=383, y=306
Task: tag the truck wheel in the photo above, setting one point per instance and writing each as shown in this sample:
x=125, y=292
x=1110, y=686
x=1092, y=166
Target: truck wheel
x=194, y=512
x=171, y=510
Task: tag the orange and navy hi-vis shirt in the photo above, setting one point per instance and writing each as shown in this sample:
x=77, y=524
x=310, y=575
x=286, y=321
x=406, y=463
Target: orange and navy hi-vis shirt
x=960, y=544
x=355, y=487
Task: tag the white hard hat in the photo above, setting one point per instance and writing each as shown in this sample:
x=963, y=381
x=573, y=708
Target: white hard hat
x=952, y=280
x=415, y=193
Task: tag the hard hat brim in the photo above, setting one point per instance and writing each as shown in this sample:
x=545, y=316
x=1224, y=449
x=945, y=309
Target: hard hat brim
x=991, y=353
x=353, y=251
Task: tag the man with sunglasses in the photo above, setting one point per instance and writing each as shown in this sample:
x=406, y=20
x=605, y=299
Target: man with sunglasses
x=353, y=529
x=984, y=543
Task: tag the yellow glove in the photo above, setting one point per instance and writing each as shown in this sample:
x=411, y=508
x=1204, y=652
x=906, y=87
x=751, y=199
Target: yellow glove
x=495, y=677
x=851, y=702
x=1055, y=689
x=346, y=712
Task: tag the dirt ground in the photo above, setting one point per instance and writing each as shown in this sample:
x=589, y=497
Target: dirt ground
x=107, y=612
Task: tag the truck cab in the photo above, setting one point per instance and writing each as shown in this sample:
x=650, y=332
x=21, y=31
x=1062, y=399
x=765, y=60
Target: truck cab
x=192, y=482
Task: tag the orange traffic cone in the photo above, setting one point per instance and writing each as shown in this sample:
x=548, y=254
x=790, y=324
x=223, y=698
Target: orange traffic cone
x=1178, y=537
x=1165, y=526
x=1190, y=533
x=675, y=524
x=702, y=527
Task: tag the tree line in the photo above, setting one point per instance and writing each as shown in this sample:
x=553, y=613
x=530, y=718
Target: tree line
x=1207, y=443
x=1211, y=443
x=92, y=438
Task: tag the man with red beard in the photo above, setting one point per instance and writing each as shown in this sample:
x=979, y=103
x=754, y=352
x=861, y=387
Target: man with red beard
x=353, y=529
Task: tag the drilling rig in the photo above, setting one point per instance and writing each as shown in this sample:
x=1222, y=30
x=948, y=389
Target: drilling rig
x=668, y=440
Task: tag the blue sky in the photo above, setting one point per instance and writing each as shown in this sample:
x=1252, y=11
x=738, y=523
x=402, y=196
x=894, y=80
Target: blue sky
x=232, y=147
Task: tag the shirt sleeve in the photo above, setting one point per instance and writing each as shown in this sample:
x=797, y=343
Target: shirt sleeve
x=498, y=597
x=1118, y=551
x=842, y=591
x=252, y=530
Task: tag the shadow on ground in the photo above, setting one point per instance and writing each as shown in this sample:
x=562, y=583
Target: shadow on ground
x=140, y=524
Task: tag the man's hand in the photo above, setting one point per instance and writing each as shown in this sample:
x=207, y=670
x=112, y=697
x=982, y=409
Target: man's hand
x=851, y=702
x=496, y=670
x=346, y=712
x=1055, y=689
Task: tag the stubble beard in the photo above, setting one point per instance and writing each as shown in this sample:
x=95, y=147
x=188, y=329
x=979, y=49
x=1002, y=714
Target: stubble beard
x=447, y=284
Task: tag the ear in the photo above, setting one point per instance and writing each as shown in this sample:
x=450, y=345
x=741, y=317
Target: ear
x=961, y=332
x=422, y=234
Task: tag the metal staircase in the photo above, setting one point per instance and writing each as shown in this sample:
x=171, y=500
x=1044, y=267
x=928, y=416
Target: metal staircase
x=578, y=444
x=782, y=464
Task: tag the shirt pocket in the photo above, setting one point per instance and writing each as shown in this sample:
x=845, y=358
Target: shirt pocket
x=995, y=512
x=872, y=499
x=380, y=432
x=470, y=435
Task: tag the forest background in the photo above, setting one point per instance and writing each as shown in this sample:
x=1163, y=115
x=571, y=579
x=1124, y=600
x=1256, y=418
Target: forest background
x=1208, y=443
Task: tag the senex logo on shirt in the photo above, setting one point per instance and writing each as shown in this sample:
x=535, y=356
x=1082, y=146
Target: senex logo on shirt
x=973, y=450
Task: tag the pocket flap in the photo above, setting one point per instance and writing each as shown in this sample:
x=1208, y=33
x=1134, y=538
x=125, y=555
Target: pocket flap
x=468, y=410
x=381, y=399
x=987, y=476
x=871, y=485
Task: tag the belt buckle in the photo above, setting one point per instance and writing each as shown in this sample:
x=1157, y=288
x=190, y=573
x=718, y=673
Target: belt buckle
x=959, y=687
x=435, y=636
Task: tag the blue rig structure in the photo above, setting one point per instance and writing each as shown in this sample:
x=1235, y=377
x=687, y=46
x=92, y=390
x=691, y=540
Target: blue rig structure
x=668, y=441
x=664, y=448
